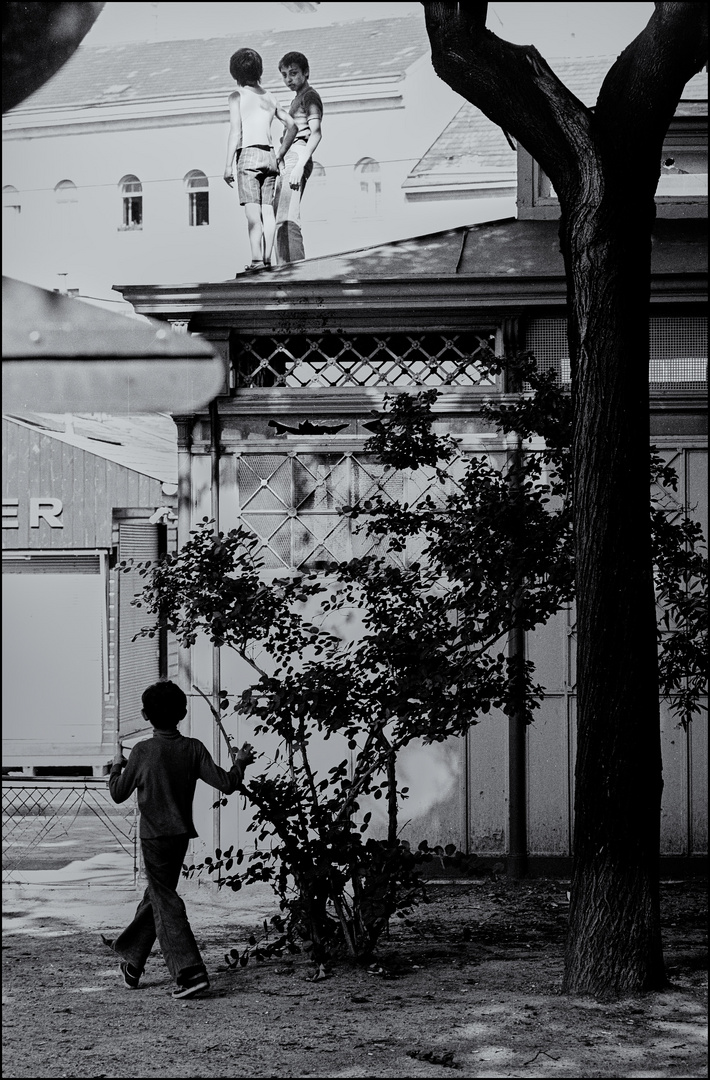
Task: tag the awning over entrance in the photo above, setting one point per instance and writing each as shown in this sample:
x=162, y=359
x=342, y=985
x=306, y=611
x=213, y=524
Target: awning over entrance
x=60, y=354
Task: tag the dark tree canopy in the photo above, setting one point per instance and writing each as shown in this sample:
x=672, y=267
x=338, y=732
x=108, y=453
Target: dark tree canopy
x=37, y=40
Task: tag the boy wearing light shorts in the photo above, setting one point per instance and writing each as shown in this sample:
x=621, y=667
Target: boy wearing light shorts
x=251, y=113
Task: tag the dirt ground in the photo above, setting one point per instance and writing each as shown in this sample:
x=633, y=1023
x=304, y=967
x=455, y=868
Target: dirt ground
x=471, y=986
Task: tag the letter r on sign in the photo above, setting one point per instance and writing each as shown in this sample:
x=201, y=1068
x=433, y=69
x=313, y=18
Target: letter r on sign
x=49, y=509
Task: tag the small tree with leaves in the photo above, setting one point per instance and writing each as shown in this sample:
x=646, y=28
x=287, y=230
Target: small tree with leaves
x=496, y=553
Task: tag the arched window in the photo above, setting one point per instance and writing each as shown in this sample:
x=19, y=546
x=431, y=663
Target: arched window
x=67, y=200
x=66, y=194
x=132, y=199
x=197, y=185
x=11, y=205
x=367, y=175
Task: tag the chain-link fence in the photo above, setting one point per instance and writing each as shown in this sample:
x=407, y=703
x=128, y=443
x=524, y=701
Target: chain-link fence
x=47, y=823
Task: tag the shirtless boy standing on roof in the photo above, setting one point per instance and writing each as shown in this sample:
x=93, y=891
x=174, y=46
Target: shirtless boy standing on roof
x=251, y=113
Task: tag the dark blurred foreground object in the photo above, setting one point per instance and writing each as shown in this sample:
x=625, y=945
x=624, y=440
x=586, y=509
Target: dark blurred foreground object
x=60, y=354
x=37, y=39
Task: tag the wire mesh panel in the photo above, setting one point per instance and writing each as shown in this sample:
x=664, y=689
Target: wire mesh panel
x=547, y=340
x=40, y=817
x=359, y=360
x=292, y=502
x=679, y=353
x=678, y=350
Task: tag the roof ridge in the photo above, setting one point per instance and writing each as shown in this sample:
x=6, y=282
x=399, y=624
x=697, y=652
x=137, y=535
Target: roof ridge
x=261, y=32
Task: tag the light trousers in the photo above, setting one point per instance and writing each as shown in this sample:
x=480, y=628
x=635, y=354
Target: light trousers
x=288, y=245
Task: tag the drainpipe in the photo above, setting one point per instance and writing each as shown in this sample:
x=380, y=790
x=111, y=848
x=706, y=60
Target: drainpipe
x=517, y=769
x=216, y=672
x=185, y=425
x=517, y=735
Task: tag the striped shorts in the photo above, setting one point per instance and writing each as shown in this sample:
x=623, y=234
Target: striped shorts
x=256, y=174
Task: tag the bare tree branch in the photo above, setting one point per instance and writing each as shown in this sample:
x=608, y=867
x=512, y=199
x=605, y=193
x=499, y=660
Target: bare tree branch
x=512, y=84
x=649, y=77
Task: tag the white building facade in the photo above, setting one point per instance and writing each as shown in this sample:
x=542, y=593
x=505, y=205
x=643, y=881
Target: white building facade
x=113, y=171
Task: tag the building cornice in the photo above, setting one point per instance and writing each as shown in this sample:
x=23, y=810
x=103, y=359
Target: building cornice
x=363, y=402
x=375, y=304
x=444, y=181
x=484, y=185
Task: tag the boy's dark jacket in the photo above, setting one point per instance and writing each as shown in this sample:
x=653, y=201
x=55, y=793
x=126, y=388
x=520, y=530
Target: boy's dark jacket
x=164, y=770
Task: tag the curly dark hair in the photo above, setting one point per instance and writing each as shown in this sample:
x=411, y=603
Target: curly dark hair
x=246, y=66
x=165, y=704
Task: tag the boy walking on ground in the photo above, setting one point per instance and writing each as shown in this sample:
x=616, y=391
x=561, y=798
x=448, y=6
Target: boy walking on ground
x=251, y=113
x=164, y=770
x=298, y=149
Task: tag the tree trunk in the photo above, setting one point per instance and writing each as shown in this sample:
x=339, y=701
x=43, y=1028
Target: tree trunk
x=614, y=940
x=392, y=828
x=604, y=166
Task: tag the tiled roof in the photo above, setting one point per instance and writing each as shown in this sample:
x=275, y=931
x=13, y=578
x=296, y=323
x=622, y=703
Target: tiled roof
x=471, y=145
x=584, y=76
x=162, y=69
x=146, y=444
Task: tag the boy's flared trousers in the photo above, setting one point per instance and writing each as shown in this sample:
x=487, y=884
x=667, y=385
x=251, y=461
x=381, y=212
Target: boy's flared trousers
x=161, y=913
x=289, y=238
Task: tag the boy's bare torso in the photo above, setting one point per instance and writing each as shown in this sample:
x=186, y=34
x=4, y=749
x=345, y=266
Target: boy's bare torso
x=257, y=108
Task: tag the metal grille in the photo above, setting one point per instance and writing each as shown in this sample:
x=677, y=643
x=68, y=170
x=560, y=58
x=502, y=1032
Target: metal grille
x=426, y=359
x=547, y=340
x=678, y=350
x=291, y=503
x=37, y=814
x=679, y=353
x=51, y=564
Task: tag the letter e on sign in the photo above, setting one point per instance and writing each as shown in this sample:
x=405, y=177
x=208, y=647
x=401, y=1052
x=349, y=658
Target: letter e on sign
x=10, y=508
x=49, y=509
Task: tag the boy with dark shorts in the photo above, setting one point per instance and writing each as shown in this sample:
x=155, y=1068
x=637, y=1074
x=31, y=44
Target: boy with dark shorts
x=164, y=770
x=251, y=113
x=297, y=149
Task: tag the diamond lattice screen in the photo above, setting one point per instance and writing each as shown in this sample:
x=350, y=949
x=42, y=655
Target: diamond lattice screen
x=678, y=350
x=358, y=360
x=291, y=502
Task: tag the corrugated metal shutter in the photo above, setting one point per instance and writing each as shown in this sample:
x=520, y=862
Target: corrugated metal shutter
x=51, y=564
x=139, y=661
